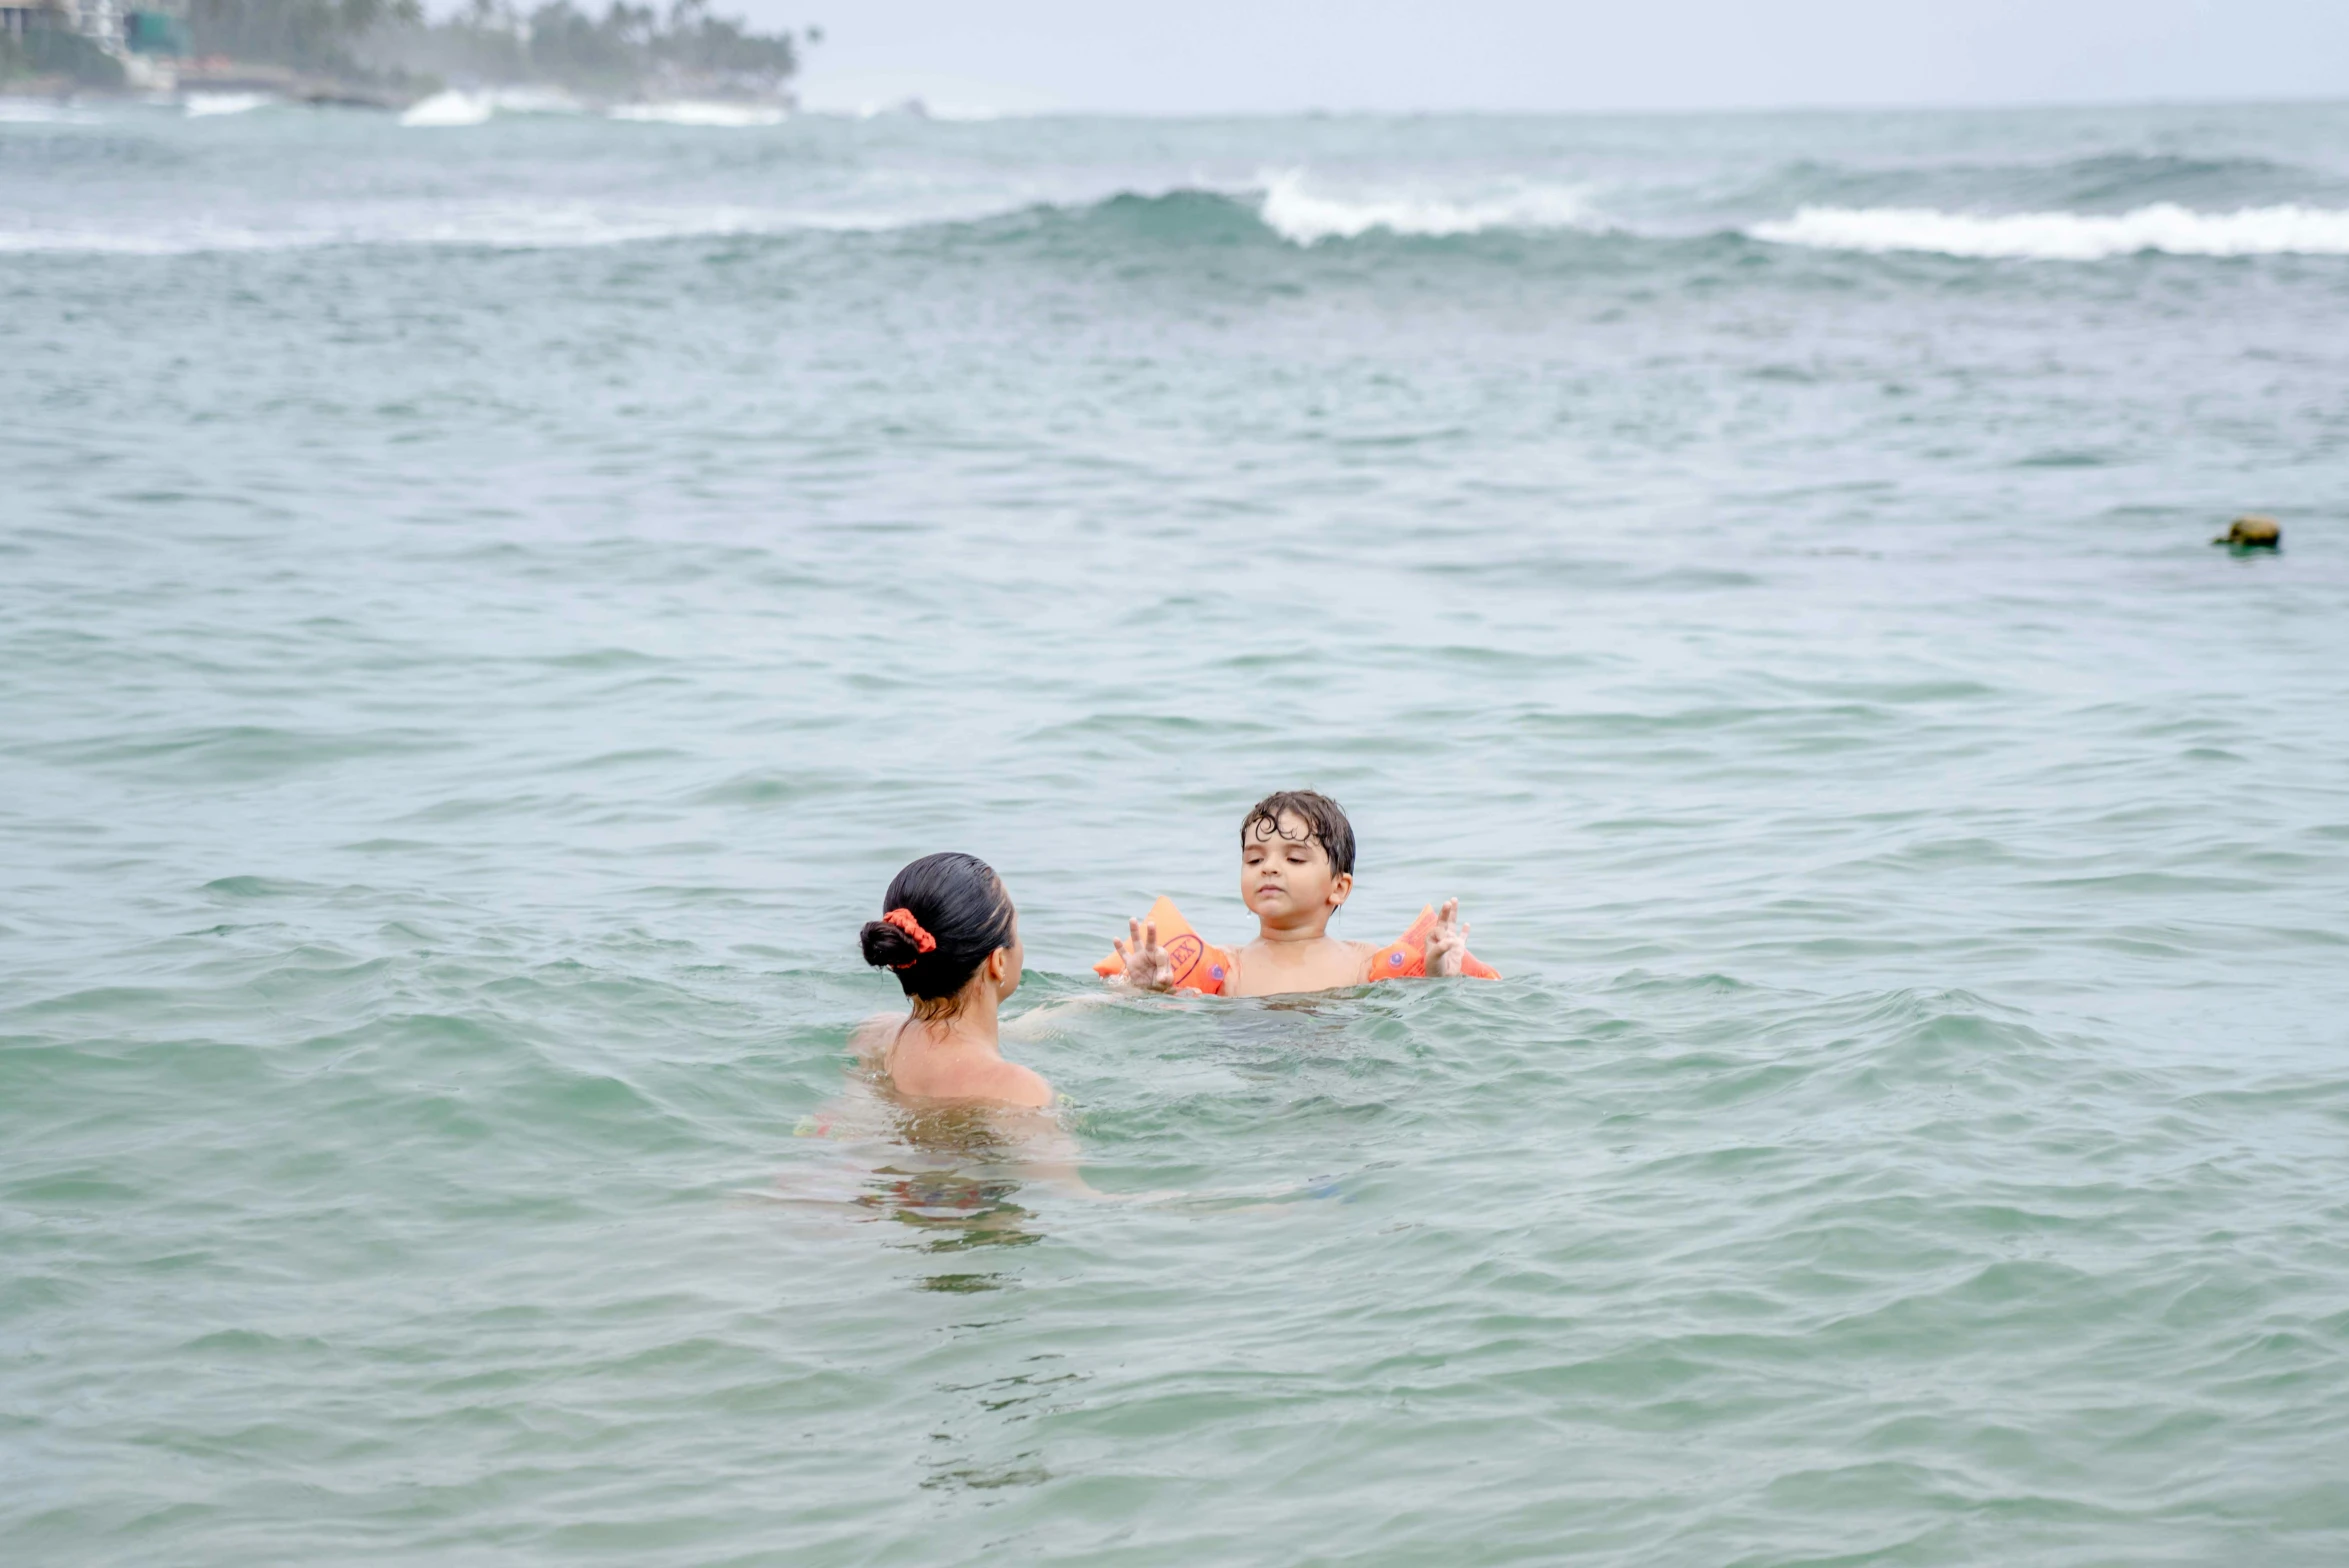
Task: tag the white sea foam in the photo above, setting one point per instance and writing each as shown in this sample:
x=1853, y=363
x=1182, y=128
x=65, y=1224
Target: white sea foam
x=533, y=100
x=701, y=112
x=1306, y=217
x=450, y=108
x=514, y=225
x=2067, y=236
x=32, y=111
x=201, y=106
x=151, y=242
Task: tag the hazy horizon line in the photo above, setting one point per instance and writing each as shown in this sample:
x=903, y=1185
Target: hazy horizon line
x=1954, y=106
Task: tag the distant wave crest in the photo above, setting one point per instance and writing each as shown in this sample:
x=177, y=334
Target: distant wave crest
x=2067, y=236
x=1278, y=210
x=1306, y=217
x=456, y=108
x=460, y=108
x=203, y=106
x=34, y=111
x=1281, y=208
x=489, y=226
x=701, y=112
x=451, y=108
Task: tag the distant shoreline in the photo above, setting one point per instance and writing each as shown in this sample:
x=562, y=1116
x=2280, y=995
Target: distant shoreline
x=333, y=91
x=391, y=56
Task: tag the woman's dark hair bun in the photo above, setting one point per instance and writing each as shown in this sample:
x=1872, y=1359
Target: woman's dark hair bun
x=958, y=902
x=888, y=947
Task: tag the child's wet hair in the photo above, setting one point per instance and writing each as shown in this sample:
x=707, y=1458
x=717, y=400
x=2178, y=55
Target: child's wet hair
x=1329, y=826
x=959, y=904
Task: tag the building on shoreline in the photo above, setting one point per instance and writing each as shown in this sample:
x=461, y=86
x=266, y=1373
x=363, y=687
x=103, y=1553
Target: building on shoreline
x=100, y=21
x=151, y=29
x=16, y=20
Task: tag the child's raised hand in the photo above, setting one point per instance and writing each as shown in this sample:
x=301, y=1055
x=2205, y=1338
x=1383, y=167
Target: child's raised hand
x=1447, y=940
x=1148, y=966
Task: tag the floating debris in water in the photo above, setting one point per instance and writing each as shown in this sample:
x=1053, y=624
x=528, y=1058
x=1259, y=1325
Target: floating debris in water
x=2252, y=532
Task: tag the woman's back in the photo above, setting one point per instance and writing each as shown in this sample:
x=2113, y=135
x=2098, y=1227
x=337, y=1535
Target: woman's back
x=951, y=936
x=921, y=1060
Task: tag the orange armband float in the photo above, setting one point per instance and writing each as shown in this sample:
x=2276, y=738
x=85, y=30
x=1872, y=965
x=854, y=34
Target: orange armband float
x=1197, y=966
x=1406, y=957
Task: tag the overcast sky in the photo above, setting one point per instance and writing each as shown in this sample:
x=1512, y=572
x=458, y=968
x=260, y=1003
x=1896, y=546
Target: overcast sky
x=1275, y=55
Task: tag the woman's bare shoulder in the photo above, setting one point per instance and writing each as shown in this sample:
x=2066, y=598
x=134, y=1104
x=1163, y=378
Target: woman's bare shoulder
x=1021, y=1086
x=872, y=1037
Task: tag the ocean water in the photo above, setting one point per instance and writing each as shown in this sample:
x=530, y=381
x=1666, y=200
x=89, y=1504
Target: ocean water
x=485, y=608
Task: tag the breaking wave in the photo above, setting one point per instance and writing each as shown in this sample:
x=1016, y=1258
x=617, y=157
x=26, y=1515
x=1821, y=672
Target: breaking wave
x=2067, y=236
x=456, y=107
x=450, y=108
x=33, y=111
x=1307, y=217
x=701, y=112
x=1283, y=210
x=204, y=106
x=460, y=108
x=502, y=226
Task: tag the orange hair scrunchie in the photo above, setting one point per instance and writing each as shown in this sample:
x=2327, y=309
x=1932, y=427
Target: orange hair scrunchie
x=904, y=920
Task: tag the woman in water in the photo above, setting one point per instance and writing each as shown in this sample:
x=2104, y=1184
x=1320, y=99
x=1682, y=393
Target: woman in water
x=953, y=1160
x=952, y=937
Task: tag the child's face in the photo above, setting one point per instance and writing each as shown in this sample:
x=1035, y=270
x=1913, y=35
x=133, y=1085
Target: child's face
x=1285, y=874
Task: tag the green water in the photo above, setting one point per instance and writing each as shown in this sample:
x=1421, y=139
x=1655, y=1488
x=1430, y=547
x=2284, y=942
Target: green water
x=484, y=612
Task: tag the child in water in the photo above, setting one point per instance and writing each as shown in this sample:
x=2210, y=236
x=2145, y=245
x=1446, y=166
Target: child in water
x=1296, y=871
x=952, y=937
